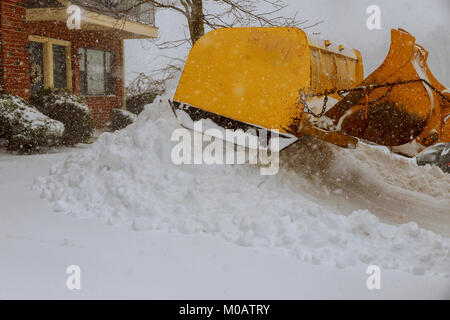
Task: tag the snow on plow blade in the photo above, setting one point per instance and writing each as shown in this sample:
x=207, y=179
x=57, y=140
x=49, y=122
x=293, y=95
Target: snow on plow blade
x=405, y=112
x=258, y=78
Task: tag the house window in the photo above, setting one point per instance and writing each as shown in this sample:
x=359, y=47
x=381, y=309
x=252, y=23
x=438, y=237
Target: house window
x=37, y=66
x=51, y=65
x=96, y=72
x=59, y=66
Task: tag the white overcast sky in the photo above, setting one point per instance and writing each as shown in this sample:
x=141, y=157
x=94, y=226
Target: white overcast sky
x=344, y=21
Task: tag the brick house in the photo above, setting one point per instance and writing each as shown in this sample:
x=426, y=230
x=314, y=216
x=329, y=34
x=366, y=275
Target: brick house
x=38, y=50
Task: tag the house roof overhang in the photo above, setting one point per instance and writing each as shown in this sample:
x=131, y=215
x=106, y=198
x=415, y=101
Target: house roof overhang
x=95, y=21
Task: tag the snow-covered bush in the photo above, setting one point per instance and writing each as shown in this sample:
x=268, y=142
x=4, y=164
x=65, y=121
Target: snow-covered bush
x=25, y=128
x=136, y=104
x=142, y=91
x=121, y=118
x=68, y=108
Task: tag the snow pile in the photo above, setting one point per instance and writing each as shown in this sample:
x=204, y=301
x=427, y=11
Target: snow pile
x=128, y=177
x=379, y=163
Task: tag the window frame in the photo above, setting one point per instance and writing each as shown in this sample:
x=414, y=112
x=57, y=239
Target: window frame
x=49, y=80
x=112, y=72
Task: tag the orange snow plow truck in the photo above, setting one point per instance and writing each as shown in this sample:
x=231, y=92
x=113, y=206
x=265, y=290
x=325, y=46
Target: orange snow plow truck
x=285, y=81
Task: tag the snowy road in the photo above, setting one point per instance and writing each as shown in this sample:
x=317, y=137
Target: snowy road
x=37, y=245
x=390, y=186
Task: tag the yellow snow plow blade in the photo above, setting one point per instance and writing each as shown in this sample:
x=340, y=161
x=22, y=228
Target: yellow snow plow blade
x=280, y=79
x=252, y=77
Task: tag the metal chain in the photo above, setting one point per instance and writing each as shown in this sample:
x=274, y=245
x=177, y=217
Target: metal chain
x=367, y=88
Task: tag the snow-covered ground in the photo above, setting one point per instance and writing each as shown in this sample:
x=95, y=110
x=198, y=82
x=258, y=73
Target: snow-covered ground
x=146, y=228
x=37, y=245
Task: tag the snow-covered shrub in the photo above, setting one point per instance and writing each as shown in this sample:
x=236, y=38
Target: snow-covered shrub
x=25, y=128
x=121, y=118
x=68, y=108
x=142, y=91
x=136, y=104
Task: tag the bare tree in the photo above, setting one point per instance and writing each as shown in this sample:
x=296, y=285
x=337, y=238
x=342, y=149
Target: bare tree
x=144, y=83
x=212, y=14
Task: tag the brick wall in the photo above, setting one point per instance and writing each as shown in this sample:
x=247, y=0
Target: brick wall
x=15, y=63
x=100, y=105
